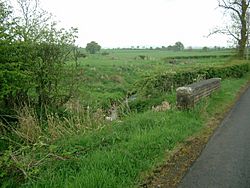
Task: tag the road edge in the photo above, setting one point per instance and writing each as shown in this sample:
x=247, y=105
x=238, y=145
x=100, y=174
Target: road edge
x=179, y=161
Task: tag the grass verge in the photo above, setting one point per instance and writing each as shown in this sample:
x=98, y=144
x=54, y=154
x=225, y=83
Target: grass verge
x=176, y=165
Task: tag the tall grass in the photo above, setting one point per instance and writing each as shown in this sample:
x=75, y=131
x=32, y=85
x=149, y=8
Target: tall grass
x=28, y=128
x=31, y=141
x=76, y=119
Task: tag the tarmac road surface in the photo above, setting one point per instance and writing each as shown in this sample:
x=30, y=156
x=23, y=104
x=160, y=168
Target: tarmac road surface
x=225, y=161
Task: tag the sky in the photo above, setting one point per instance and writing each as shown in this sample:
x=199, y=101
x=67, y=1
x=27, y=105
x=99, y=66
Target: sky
x=126, y=23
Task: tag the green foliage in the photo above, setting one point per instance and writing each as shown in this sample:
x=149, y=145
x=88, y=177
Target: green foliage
x=26, y=147
x=166, y=82
x=33, y=52
x=14, y=74
x=178, y=46
x=142, y=104
x=205, y=48
x=116, y=152
x=105, y=53
x=93, y=47
x=110, y=78
x=199, y=57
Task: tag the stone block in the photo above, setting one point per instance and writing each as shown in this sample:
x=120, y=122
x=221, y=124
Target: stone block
x=188, y=95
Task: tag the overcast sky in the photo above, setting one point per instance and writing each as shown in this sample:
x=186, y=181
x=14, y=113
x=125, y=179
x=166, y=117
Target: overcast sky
x=125, y=23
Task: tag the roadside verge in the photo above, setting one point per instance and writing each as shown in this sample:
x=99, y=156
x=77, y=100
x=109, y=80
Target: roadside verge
x=179, y=161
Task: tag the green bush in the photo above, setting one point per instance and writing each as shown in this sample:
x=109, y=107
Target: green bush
x=166, y=59
x=105, y=53
x=166, y=82
x=142, y=104
x=233, y=71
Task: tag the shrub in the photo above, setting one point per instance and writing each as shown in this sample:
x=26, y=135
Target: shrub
x=166, y=82
x=166, y=59
x=81, y=55
x=105, y=53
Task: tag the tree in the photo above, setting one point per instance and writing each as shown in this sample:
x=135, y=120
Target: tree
x=13, y=74
x=205, y=48
x=237, y=29
x=32, y=58
x=178, y=46
x=93, y=47
x=170, y=47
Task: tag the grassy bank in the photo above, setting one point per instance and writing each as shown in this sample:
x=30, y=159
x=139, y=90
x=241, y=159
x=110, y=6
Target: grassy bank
x=120, y=153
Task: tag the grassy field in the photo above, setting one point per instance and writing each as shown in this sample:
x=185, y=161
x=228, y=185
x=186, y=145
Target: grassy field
x=107, y=78
x=81, y=149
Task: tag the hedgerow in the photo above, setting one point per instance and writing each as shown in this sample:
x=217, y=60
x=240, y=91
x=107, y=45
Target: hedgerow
x=167, y=82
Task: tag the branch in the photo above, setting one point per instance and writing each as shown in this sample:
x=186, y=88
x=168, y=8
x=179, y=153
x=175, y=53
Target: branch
x=232, y=34
x=230, y=7
x=225, y=31
x=236, y=3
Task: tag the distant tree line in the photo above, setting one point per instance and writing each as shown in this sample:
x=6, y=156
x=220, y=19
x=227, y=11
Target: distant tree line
x=178, y=46
x=171, y=48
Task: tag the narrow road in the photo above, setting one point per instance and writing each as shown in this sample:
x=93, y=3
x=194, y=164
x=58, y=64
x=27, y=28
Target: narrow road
x=225, y=161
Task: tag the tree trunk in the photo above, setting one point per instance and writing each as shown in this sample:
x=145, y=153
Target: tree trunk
x=243, y=31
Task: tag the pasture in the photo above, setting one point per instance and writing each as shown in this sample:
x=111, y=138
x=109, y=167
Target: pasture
x=79, y=148
x=107, y=78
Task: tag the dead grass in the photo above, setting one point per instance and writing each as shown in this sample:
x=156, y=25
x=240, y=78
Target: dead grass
x=28, y=128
